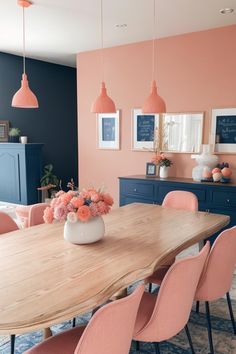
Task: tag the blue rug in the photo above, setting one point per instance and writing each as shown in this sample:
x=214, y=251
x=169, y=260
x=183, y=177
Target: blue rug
x=224, y=340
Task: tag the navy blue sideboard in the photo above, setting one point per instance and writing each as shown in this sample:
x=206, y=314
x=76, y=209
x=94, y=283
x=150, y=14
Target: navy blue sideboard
x=212, y=197
x=20, y=172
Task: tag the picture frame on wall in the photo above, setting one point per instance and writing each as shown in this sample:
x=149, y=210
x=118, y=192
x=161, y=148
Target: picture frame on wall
x=108, y=131
x=143, y=130
x=223, y=130
x=4, y=130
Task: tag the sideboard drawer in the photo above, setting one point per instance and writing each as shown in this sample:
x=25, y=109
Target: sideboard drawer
x=138, y=189
x=225, y=199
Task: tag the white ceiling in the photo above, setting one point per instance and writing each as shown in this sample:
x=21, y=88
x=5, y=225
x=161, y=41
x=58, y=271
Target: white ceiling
x=58, y=29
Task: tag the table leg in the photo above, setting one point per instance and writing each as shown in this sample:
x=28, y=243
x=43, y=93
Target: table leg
x=47, y=333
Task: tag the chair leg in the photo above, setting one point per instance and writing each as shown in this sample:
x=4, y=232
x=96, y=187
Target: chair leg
x=231, y=312
x=197, y=306
x=208, y=317
x=13, y=337
x=189, y=339
x=157, y=348
x=74, y=322
x=150, y=287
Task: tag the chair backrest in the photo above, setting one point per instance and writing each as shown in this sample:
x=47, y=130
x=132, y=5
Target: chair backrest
x=110, y=330
x=7, y=224
x=181, y=200
x=36, y=214
x=175, y=298
x=216, y=279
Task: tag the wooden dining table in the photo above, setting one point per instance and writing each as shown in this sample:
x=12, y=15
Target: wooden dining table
x=45, y=280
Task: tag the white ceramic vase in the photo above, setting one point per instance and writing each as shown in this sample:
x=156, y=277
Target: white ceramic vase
x=84, y=232
x=163, y=171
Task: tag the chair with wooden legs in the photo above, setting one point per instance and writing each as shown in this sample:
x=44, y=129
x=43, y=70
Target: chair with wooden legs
x=164, y=315
x=217, y=276
x=109, y=331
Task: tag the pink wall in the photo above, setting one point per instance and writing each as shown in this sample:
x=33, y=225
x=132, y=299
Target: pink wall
x=196, y=72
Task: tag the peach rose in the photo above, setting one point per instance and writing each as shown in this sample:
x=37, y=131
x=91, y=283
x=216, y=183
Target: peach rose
x=66, y=198
x=94, y=209
x=103, y=208
x=108, y=199
x=84, y=213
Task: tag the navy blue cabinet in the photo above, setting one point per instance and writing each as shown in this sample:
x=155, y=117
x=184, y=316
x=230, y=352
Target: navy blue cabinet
x=20, y=172
x=212, y=197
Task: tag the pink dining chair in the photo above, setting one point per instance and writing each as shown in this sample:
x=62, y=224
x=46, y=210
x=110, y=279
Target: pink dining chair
x=164, y=315
x=177, y=200
x=7, y=224
x=109, y=331
x=217, y=276
x=31, y=215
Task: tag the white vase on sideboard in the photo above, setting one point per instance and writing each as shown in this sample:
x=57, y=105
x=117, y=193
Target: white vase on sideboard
x=163, y=171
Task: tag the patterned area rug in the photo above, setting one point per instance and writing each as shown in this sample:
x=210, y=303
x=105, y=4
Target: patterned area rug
x=224, y=340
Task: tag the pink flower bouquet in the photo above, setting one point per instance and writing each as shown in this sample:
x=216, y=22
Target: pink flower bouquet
x=75, y=205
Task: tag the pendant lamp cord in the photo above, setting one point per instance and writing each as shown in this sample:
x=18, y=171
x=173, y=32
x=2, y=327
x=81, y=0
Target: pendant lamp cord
x=153, y=40
x=102, y=57
x=23, y=39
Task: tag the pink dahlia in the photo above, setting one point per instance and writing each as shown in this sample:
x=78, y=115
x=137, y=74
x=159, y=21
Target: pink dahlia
x=94, y=209
x=77, y=202
x=108, y=199
x=48, y=215
x=103, y=208
x=60, y=212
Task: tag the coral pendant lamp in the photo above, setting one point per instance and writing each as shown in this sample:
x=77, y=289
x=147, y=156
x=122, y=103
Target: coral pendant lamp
x=103, y=103
x=24, y=97
x=154, y=103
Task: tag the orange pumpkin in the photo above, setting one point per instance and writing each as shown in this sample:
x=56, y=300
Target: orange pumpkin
x=226, y=172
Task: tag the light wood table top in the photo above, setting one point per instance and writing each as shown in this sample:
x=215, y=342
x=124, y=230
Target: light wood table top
x=45, y=280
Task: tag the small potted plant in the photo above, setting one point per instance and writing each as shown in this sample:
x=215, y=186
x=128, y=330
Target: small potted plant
x=164, y=164
x=49, y=182
x=14, y=135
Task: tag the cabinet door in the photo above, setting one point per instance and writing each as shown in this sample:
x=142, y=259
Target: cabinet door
x=142, y=190
x=10, y=189
x=232, y=223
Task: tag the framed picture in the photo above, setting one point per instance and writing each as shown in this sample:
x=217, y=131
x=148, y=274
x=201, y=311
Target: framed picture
x=108, y=130
x=4, y=129
x=150, y=169
x=143, y=130
x=223, y=130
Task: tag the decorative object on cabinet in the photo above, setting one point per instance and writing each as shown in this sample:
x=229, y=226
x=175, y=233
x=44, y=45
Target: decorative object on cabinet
x=14, y=135
x=204, y=160
x=108, y=130
x=103, y=103
x=23, y=139
x=223, y=130
x=24, y=97
x=20, y=172
x=82, y=212
x=154, y=103
x=150, y=169
x=4, y=129
x=182, y=132
x=212, y=197
x=164, y=164
x=144, y=127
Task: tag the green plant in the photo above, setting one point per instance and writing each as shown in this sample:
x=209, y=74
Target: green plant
x=48, y=177
x=14, y=132
x=165, y=162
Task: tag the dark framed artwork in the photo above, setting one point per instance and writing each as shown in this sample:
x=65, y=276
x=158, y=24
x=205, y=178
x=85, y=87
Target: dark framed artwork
x=4, y=129
x=150, y=169
x=223, y=130
x=108, y=130
x=143, y=130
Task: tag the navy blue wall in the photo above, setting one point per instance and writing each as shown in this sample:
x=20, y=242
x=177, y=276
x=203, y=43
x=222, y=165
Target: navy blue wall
x=55, y=122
